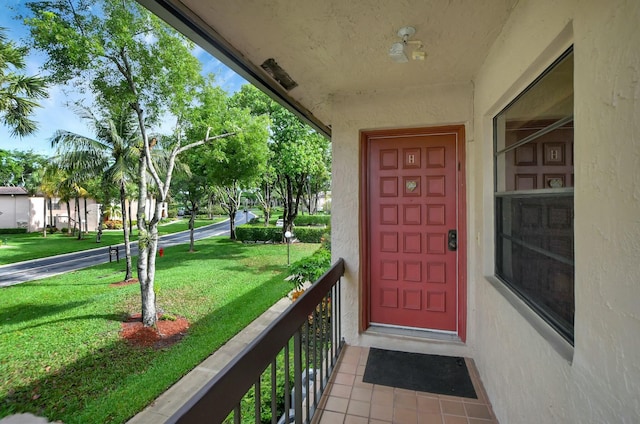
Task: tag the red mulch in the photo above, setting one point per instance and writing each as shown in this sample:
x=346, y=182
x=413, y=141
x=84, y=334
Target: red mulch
x=124, y=283
x=166, y=333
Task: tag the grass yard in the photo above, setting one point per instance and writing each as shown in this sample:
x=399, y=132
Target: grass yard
x=60, y=351
x=23, y=247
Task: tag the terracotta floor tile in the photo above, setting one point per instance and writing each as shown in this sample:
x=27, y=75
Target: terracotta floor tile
x=346, y=379
x=329, y=417
x=359, y=408
x=405, y=416
x=360, y=393
x=361, y=369
x=451, y=407
x=454, y=419
x=349, y=368
x=352, y=419
x=359, y=383
x=478, y=411
x=429, y=418
x=428, y=404
x=348, y=358
x=336, y=404
x=340, y=390
x=381, y=388
x=405, y=399
x=382, y=397
x=349, y=400
x=381, y=411
x=481, y=421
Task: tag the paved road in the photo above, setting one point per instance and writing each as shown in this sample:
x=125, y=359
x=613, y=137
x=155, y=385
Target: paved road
x=21, y=272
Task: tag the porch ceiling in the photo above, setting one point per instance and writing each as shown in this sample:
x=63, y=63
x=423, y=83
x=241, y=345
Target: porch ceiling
x=334, y=47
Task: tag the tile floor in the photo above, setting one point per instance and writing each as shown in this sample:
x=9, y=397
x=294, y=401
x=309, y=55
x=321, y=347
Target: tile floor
x=349, y=400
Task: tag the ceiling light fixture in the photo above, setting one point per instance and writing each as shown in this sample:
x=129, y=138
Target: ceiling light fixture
x=397, y=50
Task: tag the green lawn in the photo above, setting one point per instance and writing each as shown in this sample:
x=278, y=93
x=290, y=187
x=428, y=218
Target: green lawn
x=23, y=247
x=60, y=353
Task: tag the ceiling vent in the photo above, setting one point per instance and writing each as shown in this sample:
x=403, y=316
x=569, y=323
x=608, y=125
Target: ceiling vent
x=277, y=73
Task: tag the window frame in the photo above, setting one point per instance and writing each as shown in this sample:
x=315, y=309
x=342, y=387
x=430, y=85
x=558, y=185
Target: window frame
x=541, y=319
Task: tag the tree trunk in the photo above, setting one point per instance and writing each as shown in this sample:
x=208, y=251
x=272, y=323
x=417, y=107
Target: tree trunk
x=126, y=232
x=44, y=224
x=86, y=216
x=69, y=217
x=100, y=221
x=78, y=219
x=232, y=223
x=146, y=249
x=130, y=218
x=290, y=208
x=50, y=212
x=192, y=221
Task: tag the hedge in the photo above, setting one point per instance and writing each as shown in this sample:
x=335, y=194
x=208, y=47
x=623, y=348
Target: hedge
x=13, y=230
x=274, y=234
x=312, y=220
x=309, y=234
x=258, y=233
x=305, y=220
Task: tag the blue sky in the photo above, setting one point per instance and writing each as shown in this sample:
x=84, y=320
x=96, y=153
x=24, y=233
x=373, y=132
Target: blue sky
x=55, y=114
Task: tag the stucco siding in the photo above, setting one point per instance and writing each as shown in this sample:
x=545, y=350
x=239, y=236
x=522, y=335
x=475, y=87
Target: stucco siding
x=405, y=107
x=527, y=380
x=14, y=211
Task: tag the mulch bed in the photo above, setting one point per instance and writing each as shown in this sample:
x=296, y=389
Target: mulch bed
x=124, y=283
x=166, y=333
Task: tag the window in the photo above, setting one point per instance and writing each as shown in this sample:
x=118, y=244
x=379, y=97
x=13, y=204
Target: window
x=534, y=183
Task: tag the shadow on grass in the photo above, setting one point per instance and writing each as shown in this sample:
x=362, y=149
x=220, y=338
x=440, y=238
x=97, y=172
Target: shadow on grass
x=119, y=317
x=115, y=382
x=30, y=311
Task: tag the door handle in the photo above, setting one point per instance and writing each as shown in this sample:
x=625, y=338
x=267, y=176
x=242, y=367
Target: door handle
x=452, y=243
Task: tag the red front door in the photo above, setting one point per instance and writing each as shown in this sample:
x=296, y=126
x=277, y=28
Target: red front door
x=413, y=216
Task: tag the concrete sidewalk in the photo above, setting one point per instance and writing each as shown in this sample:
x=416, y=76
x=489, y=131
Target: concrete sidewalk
x=178, y=394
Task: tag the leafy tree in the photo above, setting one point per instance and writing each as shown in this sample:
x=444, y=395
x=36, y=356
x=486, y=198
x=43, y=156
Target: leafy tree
x=191, y=187
x=237, y=162
x=298, y=152
x=111, y=155
x=121, y=52
x=21, y=169
x=60, y=181
x=18, y=92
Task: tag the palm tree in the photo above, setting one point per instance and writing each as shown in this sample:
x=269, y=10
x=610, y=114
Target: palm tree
x=112, y=154
x=17, y=92
x=50, y=186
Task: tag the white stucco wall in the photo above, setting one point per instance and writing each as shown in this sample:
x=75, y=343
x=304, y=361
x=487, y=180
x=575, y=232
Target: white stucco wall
x=36, y=214
x=406, y=107
x=15, y=209
x=527, y=380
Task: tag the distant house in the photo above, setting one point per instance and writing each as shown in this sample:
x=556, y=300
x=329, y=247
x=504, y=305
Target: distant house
x=18, y=210
x=57, y=215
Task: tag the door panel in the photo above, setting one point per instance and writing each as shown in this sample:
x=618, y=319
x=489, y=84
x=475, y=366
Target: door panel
x=412, y=205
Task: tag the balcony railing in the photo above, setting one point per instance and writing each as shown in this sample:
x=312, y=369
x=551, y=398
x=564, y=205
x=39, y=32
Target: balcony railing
x=308, y=334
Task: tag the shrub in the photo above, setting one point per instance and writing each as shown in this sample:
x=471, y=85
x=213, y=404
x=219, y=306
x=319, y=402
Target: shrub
x=258, y=233
x=308, y=234
x=312, y=220
x=13, y=230
x=311, y=268
x=64, y=230
x=112, y=225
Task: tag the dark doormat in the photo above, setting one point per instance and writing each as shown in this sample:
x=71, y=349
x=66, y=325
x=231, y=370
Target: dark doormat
x=446, y=375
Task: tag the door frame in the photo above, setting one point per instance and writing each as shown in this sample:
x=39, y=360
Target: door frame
x=365, y=254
